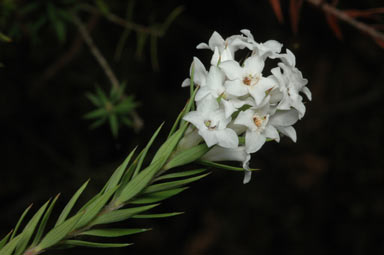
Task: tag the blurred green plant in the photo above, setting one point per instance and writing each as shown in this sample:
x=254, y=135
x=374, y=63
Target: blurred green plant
x=30, y=19
x=115, y=108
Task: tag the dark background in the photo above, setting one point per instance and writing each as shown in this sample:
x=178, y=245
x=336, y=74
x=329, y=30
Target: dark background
x=321, y=195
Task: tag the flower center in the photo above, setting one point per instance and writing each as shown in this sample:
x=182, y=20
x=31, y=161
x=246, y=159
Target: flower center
x=251, y=80
x=259, y=120
x=208, y=124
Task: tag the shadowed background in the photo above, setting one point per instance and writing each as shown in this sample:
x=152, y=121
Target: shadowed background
x=322, y=195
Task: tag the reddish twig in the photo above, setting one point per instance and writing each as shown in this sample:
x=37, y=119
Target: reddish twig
x=329, y=9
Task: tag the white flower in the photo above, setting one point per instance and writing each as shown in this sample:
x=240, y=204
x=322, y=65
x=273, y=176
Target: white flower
x=210, y=120
x=270, y=48
x=258, y=126
x=199, y=74
x=223, y=49
x=247, y=79
x=214, y=84
x=291, y=83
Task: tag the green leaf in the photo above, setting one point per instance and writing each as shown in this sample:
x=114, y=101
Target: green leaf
x=20, y=220
x=187, y=156
x=145, y=150
x=157, y=196
x=101, y=112
x=156, y=215
x=5, y=239
x=103, y=7
x=102, y=96
x=29, y=229
x=70, y=204
x=223, y=166
x=11, y=245
x=58, y=233
x=169, y=145
x=94, y=245
x=43, y=222
x=141, y=41
x=171, y=185
x=122, y=214
x=171, y=17
x=114, y=232
x=114, y=124
x=138, y=183
x=94, y=208
x=180, y=174
x=98, y=123
x=94, y=99
x=116, y=176
x=5, y=38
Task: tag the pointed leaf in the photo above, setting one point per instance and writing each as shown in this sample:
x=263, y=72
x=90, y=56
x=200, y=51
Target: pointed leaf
x=94, y=245
x=156, y=215
x=101, y=112
x=369, y=13
x=114, y=124
x=122, y=214
x=138, y=183
x=157, y=196
x=94, y=208
x=71, y=203
x=277, y=10
x=58, y=233
x=94, y=99
x=180, y=174
x=145, y=150
x=223, y=166
x=116, y=176
x=172, y=184
x=114, y=232
x=44, y=220
x=29, y=229
x=187, y=156
x=5, y=239
x=11, y=245
x=20, y=220
x=171, y=17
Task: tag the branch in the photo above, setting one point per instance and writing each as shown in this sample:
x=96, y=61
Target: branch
x=96, y=52
x=327, y=8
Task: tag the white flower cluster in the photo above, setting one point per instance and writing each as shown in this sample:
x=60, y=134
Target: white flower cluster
x=239, y=104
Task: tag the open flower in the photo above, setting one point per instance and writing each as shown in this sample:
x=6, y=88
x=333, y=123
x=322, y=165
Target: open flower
x=223, y=49
x=258, y=126
x=247, y=79
x=210, y=120
x=291, y=83
x=199, y=74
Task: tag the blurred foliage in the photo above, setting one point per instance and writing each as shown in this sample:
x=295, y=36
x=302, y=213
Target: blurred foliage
x=32, y=19
x=115, y=108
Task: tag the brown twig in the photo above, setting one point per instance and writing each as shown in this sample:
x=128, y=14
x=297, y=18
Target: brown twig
x=96, y=52
x=344, y=17
x=137, y=121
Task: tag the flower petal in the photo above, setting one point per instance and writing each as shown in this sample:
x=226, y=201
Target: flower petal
x=232, y=69
x=253, y=141
x=253, y=65
x=284, y=118
x=186, y=83
x=288, y=131
x=227, y=138
x=208, y=136
x=236, y=88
